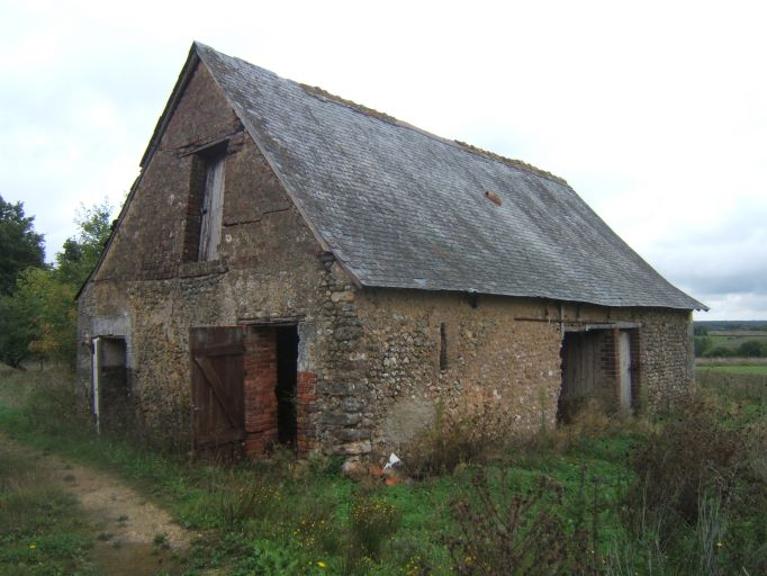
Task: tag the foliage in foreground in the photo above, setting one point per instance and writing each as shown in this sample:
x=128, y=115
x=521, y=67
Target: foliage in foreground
x=680, y=496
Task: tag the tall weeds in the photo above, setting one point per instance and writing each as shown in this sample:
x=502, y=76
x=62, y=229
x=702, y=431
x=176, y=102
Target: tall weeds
x=699, y=486
x=520, y=533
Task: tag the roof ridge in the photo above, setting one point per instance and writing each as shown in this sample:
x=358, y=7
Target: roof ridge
x=323, y=94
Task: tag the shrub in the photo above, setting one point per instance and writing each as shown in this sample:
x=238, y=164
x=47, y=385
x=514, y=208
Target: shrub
x=701, y=486
x=316, y=528
x=719, y=352
x=752, y=349
x=466, y=436
x=702, y=344
x=691, y=453
x=524, y=535
x=243, y=501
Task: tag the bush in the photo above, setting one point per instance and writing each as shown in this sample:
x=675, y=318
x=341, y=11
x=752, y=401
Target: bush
x=752, y=349
x=701, y=486
x=719, y=352
x=243, y=501
x=702, y=344
x=524, y=535
x=469, y=436
x=690, y=454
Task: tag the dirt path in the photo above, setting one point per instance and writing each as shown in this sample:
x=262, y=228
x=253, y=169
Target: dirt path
x=131, y=535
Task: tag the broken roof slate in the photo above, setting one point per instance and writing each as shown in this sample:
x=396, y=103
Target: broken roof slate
x=401, y=208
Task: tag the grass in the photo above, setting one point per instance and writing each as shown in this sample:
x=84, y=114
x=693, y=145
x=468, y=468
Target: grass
x=289, y=517
x=42, y=530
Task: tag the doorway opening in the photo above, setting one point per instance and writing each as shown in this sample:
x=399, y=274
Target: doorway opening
x=112, y=404
x=285, y=389
x=598, y=369
x=580, y=361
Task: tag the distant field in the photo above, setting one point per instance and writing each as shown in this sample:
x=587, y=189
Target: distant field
x=760, y=369
x=733, y=339
x=724, y=325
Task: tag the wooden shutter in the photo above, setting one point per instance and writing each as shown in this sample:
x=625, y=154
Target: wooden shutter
x=212, y=209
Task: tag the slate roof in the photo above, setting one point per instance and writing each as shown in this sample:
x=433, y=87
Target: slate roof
x=402, y=208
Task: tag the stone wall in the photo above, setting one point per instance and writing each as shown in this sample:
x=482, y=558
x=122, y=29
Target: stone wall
x=503, y=355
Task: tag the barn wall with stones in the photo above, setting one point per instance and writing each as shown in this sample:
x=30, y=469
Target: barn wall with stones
x=502, y=355
x=375, y=363
x=147, y=291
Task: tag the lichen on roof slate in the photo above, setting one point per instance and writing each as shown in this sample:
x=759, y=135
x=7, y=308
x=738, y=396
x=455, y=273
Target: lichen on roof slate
x=402, y=208
x=324, y=94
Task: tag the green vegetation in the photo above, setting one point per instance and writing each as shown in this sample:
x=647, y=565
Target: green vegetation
x=759, y=369
x=705, y=326
x=683, y=495
x=731, y=344
x=41, y=527
x=736, y=339
x=37, y=303
x=22, y=247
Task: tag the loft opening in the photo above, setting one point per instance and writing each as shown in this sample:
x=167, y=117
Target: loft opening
x=206, y=204
x=599, y=366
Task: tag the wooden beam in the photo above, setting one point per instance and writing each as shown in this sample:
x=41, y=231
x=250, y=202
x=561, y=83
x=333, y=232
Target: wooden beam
x=585, y=324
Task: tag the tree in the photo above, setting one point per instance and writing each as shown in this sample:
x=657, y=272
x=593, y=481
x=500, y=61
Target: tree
x=20, y=246
x=752, y=349
x=38, y=314
x=81, y=253
x=702, y=345
x=38, y=319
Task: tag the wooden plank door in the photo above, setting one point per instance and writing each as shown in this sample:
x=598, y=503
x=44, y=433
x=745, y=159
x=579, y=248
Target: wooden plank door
x=218, y=403
x=624, y=353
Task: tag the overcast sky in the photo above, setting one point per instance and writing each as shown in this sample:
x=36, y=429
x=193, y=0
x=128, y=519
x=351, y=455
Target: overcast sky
x=656, y=113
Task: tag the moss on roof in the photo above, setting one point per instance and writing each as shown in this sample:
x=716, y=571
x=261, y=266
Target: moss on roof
x=522, y=165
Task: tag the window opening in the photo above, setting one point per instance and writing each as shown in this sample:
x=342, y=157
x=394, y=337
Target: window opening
x=212, y=206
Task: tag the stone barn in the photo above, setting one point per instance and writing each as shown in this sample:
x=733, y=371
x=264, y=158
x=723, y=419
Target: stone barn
x=293, y=268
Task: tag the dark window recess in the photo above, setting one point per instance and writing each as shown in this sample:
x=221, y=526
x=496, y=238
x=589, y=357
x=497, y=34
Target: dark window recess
x=287, y=370
x=442, y=346
x=114, y=393
x=206, y=205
